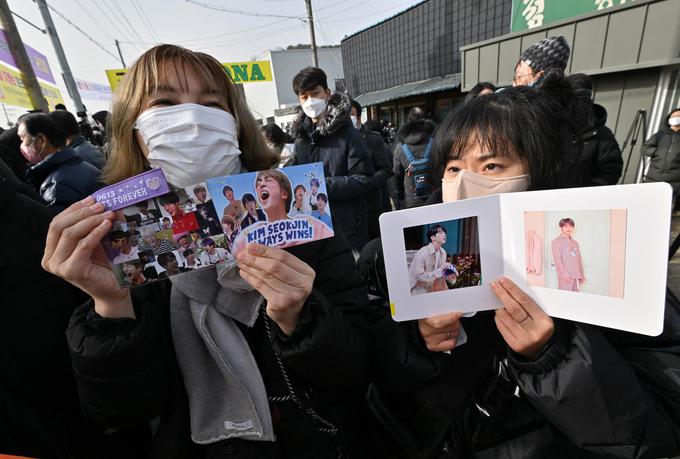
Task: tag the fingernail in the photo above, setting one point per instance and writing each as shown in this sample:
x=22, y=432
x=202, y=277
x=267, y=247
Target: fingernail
x=87, y=200
x=97, y=206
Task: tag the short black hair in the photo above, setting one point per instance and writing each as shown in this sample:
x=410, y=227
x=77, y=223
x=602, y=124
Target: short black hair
x=478, y=88
x=118, y=234
x=227, y=188
x=60, y=107
x=314, y=181
x=357, y=106
x=163, y=258
x=40, y=123
x=309, y=78
x=66, y=122
x=417, y=114
x=275, y=135
x=567, y=221
x=668, y=117
x=187, y=252
x=433, y=230
x=520, y=119
x=170, y=198
x=248, y=198
x=323, y=197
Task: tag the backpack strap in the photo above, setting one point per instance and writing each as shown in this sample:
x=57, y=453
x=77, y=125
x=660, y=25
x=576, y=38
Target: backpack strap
x=408, y=153
x=428, y=149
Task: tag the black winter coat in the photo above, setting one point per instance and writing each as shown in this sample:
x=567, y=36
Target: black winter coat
x=664, y=150
x=88, y=152
x=346, y=162
x=128, y=375
x=39, y=413
x=64, y=178
x=600, y=162
x=416, y=135
x=378, y=200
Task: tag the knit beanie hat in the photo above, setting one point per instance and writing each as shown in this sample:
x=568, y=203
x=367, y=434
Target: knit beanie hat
x=549, y=53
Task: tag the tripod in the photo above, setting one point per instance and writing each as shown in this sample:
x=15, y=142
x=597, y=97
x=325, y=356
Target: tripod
x=639, y=124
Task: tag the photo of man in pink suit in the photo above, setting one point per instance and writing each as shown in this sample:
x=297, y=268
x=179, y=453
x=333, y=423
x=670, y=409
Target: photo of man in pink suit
x=567, y=258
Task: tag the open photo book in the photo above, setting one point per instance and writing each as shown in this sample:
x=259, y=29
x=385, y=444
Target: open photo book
x=593, y=255
x=159, y=232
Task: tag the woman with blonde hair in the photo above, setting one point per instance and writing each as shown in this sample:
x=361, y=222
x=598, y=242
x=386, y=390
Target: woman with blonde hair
x=231, y=360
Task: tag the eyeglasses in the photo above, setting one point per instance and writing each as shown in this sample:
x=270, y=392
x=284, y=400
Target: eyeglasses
x=516, y=77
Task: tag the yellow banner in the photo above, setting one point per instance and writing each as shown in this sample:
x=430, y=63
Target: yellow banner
x=13, y=91
x=240, y=72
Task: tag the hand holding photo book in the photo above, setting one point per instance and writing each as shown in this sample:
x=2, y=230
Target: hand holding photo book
x=160, y=233
x=594, y=255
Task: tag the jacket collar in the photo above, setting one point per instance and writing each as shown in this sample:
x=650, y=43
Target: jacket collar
x=335, y=117
x=77, y=141
x=39, y=172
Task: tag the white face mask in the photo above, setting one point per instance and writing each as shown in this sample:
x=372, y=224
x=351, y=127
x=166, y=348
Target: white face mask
x=314, y=108
x=355, y=121
x=470, y=185
x=190, y=142
x=675, y=121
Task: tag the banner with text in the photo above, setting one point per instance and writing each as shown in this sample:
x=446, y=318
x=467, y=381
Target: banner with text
x=13, y=91
x=529, y=14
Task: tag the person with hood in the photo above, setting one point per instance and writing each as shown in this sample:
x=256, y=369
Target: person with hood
x=597, y=153
x=416, y=136
x=524, y=384
x=324, y=133
x=57, y=172
x=664, y=150
x=226, y=362
x=68, y=124
x=378, y=200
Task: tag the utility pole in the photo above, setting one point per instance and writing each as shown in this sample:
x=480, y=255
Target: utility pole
x=65, y=69
x=18, y=51
x=120, y=54
x=310, y=20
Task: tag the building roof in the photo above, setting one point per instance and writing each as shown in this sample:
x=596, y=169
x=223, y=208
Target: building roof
x=384, y=20
x=415, y=88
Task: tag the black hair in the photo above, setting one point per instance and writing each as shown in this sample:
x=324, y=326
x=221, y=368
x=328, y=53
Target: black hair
x=187, y=252
x=314, y=181
x=248, y=198
x=170, y=198
x=40, y=123
x=581, y=104
x=433, y=230
x=118, y=234
x=668, y=117
x=60, y=107
x=227, y=188
x=323, y=197
x=476, y=89
x=276, y=136
x=163, y=258
x=136, y=263
x=374, y=125
x=357, y=106
x=66, y=122
x=165, y=218
x=416, y=114
x=519, y=119
x=566, y=221
x=309, y=78
x=101, y=117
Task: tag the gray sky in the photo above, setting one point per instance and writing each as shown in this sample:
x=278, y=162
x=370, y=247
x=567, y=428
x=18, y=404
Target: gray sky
x=229, y=37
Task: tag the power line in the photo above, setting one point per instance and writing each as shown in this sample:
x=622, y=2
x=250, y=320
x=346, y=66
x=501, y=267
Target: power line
x=94, y=19
x=249, y=38
x=122, y=27
x=28, y=22
x=67, y=20
x=122, y=13
x=146, y=19
x=108, y=18
x=242, y=12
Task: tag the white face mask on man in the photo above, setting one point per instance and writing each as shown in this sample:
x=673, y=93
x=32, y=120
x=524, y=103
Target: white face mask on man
x=314, y=108
x=675, y=121
x=467, y=184
x=190, y=142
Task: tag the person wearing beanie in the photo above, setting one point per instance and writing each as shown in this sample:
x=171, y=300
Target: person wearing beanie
x=551, y=53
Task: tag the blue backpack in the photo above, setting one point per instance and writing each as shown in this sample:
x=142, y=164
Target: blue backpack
x=419, y=170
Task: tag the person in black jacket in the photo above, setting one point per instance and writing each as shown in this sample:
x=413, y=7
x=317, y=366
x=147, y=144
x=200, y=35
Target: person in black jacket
x=324, y=133
x=74, y=139
x=416, y=135
x=378, y=200
x=39, y=412
x=664, y=150
x=57, y=172
x=523, y=385
x=264, y=356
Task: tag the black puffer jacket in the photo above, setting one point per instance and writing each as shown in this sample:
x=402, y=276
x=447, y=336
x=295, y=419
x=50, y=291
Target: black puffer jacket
x=39, y=413
x=127, y=371
x=88, y=152
x=600, y=162
x=64, y=178
x=346, y=162
x=664, y=150
x=378, y=200
x=416, y=135
x=592, y=392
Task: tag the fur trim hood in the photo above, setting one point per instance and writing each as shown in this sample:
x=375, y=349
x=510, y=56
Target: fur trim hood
x=336, y=115
x=416, y=132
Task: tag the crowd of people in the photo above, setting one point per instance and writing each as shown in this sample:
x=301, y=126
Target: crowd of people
x=293, y=353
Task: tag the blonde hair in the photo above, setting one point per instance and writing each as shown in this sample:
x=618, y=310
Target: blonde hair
x=151, y=71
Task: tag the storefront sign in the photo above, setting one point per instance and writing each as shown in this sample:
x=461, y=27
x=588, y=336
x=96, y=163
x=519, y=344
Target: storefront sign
x=528, y=14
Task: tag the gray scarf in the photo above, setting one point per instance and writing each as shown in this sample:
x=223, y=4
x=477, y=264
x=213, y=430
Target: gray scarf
x=227, y=397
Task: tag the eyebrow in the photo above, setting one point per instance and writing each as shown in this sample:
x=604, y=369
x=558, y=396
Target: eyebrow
x=168, y=88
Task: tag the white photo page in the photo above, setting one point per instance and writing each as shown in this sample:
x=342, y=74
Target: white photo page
x=594, y=255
